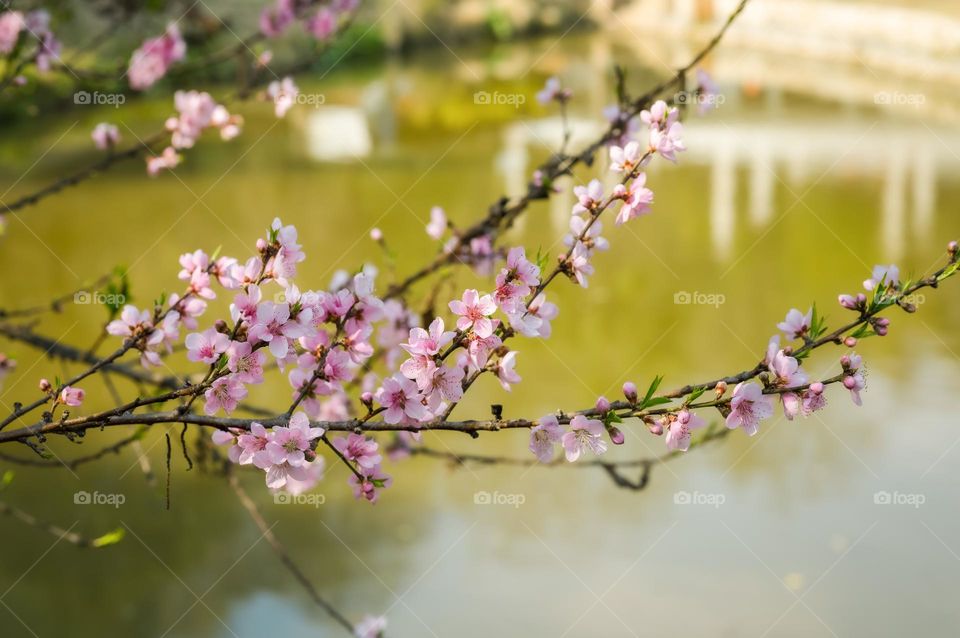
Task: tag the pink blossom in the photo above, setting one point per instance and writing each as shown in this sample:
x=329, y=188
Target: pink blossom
x=889, y=275
x=167, y=159
x=813, y=399
x=275, y=20
x=253, y=447
x=272, y=325
x=245, y=304
x=589, y=237
x=544, y=436
x=150, y=62
x=401, y=399
x=423, y=346
x=788, y=371
x=748, y=407
x=206, y=346
x=322, y=24
x=636, y=199
x=797, y=324
x=226, y=392
x=625, y=159
x=474, y=312
x=283, y=93
x=678, y=436
x=479, y=349
x=289, y=444
x=580, y=264
x=306, y=477
x=588, y=197
x=130, y=323
x=359, y=449
x=552, y=90
x=583, y=434
x=441, y=383
x=337, y=366
x=11, y=23
x=505, y=372
x=245, y=362
x=105, y=136
x=374, y=479
x=667, y=142
x=71, y=396
x=535, y=320
x=855, y=381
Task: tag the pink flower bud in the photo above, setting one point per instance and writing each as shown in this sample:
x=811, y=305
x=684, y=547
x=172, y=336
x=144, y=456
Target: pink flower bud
x=881, y=331
x=45, y=385
x=367, y=398
x=861, y=298
x=883, y=321
x=656, y=429
x=630, y=391
x=816, y=387
x=261, y=245
x=849, y=383
x=848, y=301
x=952, y=248
x=616, y=436
x=603, y=405
x=376, y=234
x=845, y=361
x=720, y=388
x=850, y=342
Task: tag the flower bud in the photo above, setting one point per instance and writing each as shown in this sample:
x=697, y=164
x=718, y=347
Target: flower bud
x=845, y=362
x=616, y=436
x=603, y=406
x=816, y=387
x=861, y=299
x=261, y=245
x=221, y=326
x=850, y=342
x=720, y=388
x=883, y=322
x=630, y=391
x=655, y=428
x=683, y=417
x=376, y=234
x=849, y=383
x=45, y=386
x=848, y=301
x=881, y=331
x=367, y=399
x=952, y=248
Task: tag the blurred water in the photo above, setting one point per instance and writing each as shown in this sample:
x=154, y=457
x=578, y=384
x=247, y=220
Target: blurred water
x=783, y=199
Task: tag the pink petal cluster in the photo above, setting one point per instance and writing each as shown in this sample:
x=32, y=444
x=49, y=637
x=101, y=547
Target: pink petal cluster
x=151, y=61
x=105, y=136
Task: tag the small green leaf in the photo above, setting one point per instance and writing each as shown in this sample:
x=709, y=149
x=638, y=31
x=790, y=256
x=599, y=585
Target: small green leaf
x=110, y=538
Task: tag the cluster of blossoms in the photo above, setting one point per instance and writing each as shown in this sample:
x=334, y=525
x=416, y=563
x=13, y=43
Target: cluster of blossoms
x=285, y=453
x=196, y=112
x=320, y=23
x=36, y=24
x=151, y=61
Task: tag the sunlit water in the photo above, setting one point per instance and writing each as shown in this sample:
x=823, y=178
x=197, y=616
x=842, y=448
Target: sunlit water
x=781, y=201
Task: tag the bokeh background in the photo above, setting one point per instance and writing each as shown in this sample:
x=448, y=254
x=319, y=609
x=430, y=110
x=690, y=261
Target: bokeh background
x=835, y=148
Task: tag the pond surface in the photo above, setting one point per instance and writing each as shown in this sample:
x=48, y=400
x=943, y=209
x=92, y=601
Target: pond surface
x=782, y=200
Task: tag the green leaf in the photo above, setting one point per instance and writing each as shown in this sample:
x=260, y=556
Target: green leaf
x=110, y=538
x=696, y=394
